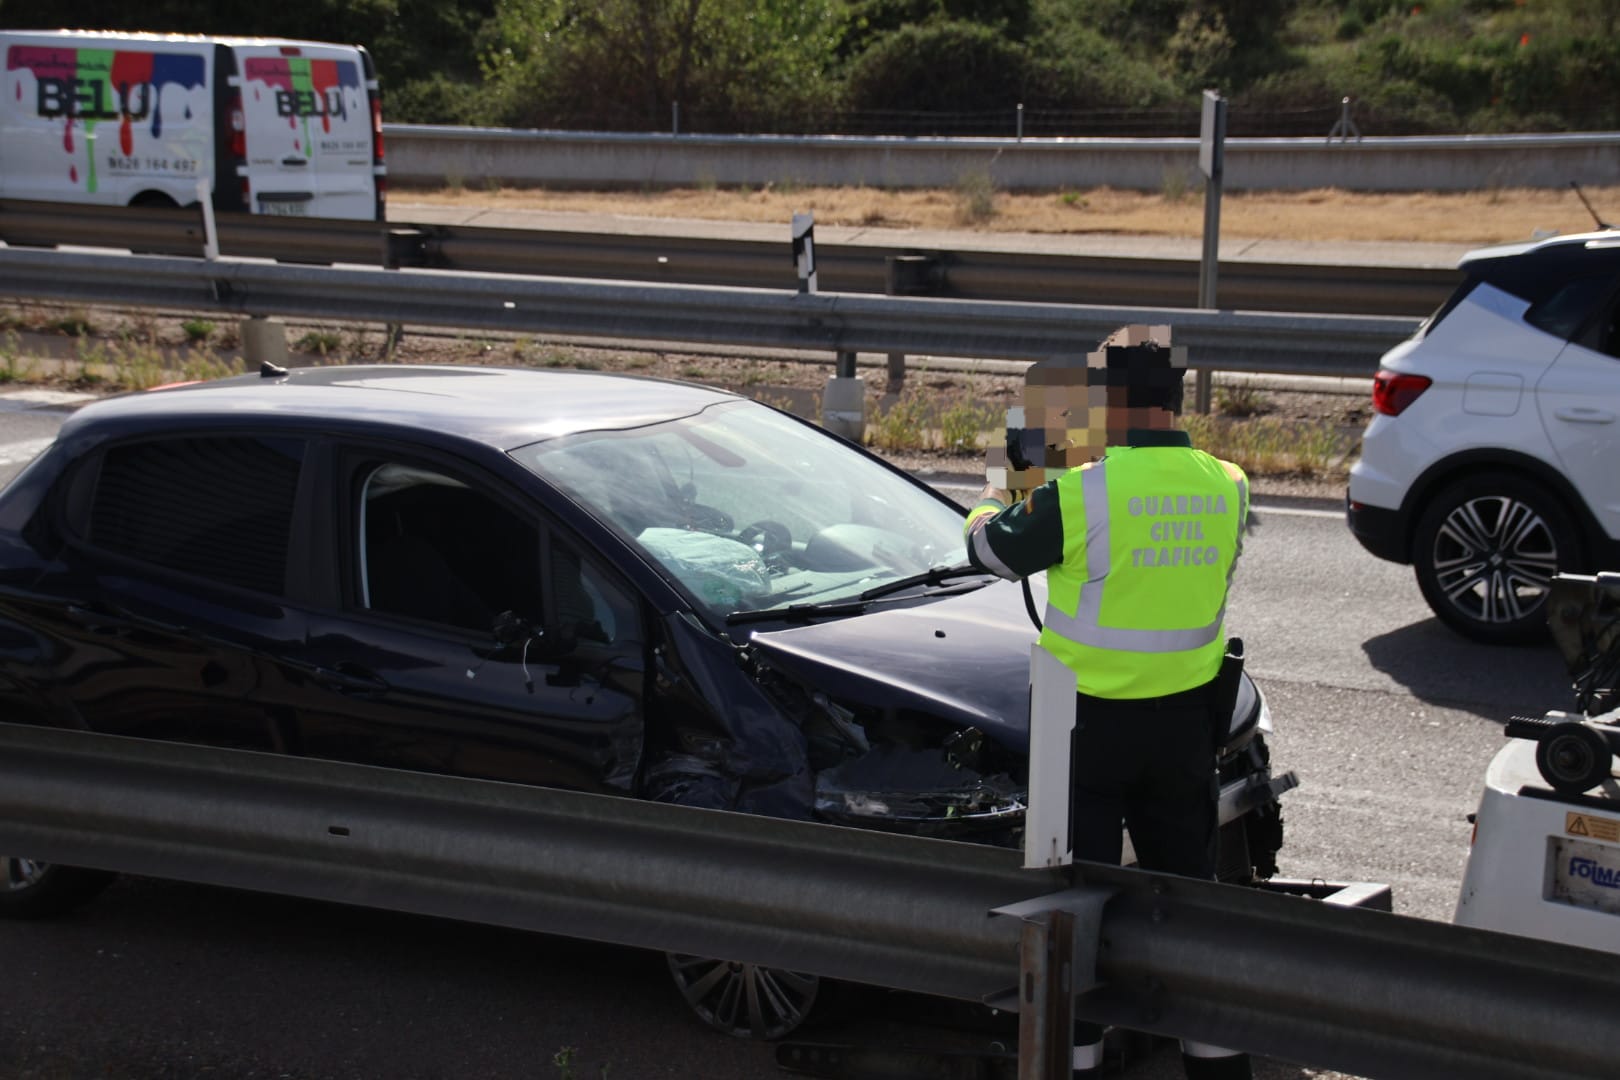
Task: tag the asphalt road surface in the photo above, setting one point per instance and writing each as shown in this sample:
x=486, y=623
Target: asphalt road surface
x=1388, y=717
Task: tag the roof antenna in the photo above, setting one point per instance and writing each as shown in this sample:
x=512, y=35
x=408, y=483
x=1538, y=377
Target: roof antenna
x=267, y=370
x=1579, y=194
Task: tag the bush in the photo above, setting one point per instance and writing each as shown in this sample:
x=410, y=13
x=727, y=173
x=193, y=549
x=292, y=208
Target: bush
x=940, y=67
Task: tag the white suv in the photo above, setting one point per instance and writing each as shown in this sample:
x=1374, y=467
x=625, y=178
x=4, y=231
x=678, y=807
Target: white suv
x=1493, y=460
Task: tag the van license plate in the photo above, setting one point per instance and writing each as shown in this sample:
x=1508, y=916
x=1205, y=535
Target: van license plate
x=282, y=209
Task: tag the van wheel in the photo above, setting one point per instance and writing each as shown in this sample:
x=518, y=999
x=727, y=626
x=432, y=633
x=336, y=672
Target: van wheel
x=154, y=200
x=1485, y=552
x=31, y=889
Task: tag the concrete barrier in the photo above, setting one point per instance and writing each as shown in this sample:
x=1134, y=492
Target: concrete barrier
x=427, y=155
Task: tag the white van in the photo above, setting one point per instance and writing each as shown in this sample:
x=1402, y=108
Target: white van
x=271, y=126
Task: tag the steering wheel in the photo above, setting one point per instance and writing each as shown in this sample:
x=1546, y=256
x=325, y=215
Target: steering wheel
x=771, y=539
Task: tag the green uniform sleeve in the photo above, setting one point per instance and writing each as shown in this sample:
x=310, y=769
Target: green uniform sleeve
x=1018, y=540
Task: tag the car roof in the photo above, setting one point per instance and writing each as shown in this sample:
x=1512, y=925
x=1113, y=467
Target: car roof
x=1607, y=238
x=500, y=407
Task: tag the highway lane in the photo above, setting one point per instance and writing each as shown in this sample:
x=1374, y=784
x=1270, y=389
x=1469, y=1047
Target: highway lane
x=1389, y=719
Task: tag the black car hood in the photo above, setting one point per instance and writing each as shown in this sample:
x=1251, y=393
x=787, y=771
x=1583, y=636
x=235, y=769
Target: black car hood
x=963, y=658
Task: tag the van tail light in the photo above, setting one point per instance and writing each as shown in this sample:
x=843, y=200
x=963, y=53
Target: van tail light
x=376, y=129
x=238, y=143
x=1393, y=391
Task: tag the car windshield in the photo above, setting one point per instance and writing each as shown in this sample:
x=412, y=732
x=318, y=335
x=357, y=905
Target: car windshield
x=747, y=509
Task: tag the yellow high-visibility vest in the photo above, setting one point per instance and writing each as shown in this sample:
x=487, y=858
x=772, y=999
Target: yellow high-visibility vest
x=1150, y=536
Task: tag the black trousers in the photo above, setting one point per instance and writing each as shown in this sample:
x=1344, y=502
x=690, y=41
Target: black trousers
x=1148, y=764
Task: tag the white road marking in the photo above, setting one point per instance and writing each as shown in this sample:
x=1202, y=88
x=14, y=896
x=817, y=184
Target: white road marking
x=39, y=398
x=20, y=453
x=1266, y=509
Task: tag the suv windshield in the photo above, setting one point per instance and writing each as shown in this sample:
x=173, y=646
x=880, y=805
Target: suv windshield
x=747, y=509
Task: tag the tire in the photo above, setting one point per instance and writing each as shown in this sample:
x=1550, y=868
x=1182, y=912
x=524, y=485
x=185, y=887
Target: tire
x=1574, y=758
x=746, y=1001
x=30, y=889
x=1485, y=551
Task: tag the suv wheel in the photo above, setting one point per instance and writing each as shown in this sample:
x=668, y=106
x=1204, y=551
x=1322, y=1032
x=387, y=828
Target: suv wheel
x=1485, y=552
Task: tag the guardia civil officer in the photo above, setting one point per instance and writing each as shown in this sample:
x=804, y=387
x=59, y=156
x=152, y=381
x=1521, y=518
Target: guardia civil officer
x=1138, y=548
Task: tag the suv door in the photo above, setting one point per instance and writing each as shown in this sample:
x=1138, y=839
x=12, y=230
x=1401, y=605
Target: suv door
x=168, y=595
x=1579, y=401
x=406, y=670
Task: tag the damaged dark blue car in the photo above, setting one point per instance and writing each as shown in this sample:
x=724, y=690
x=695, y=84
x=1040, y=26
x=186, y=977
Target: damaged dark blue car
x=596, y=582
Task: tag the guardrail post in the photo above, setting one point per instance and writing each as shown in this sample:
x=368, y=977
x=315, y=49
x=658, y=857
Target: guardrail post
x=401, y=247
x=843, y=401
x=1046, y=998
x=907, y=275
x=1057, y=958
x=264, y=341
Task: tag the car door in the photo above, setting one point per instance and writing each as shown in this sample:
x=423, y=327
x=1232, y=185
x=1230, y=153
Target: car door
x=168, y=596
x=405, y=670
x=1579, y=401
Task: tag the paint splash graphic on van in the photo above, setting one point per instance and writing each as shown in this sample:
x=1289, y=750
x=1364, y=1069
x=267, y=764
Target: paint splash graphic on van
x=304, y=88
x=91, y=85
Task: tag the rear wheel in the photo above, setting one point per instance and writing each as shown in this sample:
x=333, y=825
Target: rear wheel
x=31, y=889
x=1485, y=552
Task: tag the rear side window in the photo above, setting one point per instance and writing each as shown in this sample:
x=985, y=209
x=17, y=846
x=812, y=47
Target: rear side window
x=1566, y=310
x=219, y=508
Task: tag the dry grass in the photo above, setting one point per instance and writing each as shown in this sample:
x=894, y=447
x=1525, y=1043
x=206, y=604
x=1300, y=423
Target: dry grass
x=1477, y=217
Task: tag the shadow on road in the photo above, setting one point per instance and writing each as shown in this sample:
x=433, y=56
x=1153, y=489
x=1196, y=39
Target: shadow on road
x=1491, y=681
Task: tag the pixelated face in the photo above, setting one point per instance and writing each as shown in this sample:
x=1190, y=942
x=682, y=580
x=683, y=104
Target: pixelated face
x=1075, y=409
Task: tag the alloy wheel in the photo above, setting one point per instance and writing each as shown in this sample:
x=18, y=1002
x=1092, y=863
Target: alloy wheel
x=17, y=873
x=1494, y=557
x=745, y=1000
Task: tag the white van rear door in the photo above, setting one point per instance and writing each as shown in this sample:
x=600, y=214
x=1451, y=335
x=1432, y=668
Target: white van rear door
x=308, y=130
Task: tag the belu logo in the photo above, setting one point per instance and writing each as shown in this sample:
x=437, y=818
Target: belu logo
x=309, y=103
x=87, y=99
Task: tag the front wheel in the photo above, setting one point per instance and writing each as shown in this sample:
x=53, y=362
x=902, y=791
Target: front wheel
x=748, y=1001
x=31, y=889
x=1485, y=552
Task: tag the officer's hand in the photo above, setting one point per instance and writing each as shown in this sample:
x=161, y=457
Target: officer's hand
x=1001, y=495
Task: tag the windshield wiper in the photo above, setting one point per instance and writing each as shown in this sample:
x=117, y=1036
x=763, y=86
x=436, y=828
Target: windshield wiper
x=937, y=575
x=934, y=575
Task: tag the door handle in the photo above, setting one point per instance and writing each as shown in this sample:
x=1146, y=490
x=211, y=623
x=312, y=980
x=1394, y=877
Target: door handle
x=99, y=620
x=1581, y=414
x=346, y=678
x=106, y=620
x=292, y=159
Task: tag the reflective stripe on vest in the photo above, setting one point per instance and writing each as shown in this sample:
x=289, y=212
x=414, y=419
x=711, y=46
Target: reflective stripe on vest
x=1117, y=615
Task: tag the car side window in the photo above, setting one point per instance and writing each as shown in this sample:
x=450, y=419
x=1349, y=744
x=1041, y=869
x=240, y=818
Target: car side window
x=592, y=604
x=434, y=548
x=1602, y=334
x=219, y=508
x=1566, y=310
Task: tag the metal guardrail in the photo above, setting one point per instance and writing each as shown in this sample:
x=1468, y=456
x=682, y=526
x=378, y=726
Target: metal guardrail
x=828, y=322
x=1362, y=991
x=959, y=274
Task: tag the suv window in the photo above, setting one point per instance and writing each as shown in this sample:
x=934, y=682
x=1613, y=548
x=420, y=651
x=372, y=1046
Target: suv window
x=220, y=508
x=1566, y=310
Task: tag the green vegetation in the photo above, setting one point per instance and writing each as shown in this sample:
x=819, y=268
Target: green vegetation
x=875, y=65
x=1272, y=447
x=325, y=342
x=197, y=331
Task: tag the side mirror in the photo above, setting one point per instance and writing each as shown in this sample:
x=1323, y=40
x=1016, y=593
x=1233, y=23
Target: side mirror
x=510, y=628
